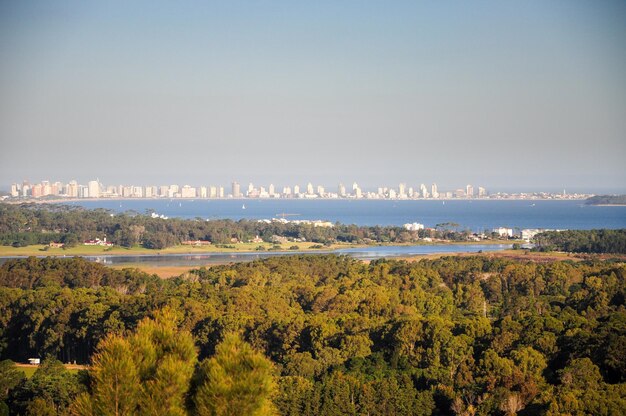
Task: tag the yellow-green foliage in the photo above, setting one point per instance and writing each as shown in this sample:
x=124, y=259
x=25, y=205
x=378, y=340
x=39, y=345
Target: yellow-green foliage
x=147, y=373
x=236, y=381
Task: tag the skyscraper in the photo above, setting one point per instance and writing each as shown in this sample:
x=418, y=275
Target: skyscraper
x=434, y=191
x=93, y=189
x=342, y=190
x=236, y=190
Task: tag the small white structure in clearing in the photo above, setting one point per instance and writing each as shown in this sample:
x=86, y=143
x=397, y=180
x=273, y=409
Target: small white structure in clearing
x=34, y=361
x=98, y=242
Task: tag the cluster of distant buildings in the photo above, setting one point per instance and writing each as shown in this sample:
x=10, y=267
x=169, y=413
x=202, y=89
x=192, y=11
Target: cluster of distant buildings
x=503, y=232
x=95, y=189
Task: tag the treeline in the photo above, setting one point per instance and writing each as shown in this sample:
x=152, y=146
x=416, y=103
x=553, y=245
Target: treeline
x=27, y=224
x=472, y=335
x=582, y=241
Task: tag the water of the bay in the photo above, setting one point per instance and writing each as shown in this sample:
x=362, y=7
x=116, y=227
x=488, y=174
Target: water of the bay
x=475, y=215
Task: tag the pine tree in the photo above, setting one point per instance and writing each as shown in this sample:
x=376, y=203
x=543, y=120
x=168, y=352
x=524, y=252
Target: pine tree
x=147, y=373
x=236, y=381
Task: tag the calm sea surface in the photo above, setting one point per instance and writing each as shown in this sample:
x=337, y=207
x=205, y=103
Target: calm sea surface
x=473, y=215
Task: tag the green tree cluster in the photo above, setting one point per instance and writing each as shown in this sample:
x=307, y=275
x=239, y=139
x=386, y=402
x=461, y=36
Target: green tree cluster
x=582, y=241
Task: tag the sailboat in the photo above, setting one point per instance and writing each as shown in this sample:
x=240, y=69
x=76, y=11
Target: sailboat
x=243, y=206
x=443, y=202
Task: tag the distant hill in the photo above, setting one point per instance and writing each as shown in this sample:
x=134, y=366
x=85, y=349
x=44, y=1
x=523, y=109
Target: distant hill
x=606, y=200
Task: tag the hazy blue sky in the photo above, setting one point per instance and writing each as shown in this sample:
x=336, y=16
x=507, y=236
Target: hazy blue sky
x=509, y=94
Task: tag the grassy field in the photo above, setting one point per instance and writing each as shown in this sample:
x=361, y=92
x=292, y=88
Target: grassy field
x=29, y=369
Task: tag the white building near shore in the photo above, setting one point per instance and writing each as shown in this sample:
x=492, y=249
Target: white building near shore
x=415, y=226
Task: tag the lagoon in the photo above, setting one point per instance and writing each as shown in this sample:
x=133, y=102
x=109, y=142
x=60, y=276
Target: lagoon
x=361, y=253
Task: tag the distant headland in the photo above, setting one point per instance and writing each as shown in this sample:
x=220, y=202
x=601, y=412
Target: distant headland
x=606, y=200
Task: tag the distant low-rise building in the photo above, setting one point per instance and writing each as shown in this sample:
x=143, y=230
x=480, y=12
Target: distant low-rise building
x=529, y=234
x=98, y=242
x=196, y=243
x=415, y=226
x=503, y=232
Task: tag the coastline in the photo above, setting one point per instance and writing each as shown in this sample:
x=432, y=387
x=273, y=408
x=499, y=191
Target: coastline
x=65, y=200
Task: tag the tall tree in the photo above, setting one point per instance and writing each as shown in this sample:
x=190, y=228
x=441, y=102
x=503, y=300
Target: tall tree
x=236, y=381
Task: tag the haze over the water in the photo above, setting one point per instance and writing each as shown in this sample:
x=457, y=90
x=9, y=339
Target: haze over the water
x=505, y=94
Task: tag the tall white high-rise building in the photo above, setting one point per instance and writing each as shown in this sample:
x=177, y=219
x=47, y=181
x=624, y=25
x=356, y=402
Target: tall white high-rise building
x=93, y=189
x=424, y=191
x=342, y=190
x=469, y=191
x=236, y=190
x=309, y=189
x=402, y=190
x=434, y=191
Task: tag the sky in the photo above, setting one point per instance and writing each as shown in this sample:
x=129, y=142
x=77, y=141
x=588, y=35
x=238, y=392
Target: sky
x=510, y=95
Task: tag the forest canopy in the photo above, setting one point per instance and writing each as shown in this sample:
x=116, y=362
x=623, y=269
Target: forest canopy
x=456, y=335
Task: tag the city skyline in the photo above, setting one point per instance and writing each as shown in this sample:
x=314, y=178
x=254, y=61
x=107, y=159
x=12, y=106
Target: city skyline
x=95, y=189
x=596, y=190
x=512, y=95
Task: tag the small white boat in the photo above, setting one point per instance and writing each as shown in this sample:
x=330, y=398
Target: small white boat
x=243, y=206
